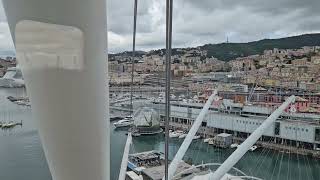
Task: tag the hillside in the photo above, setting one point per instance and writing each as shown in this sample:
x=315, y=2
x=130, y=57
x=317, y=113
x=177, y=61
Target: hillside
x=229, y=51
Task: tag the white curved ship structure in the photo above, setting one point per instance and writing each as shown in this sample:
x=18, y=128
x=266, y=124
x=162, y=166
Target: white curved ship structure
x=12, y=79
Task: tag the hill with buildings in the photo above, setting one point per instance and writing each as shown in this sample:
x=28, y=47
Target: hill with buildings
x=229, y=51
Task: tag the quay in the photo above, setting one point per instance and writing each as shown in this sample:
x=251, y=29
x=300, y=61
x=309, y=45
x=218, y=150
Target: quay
x=149, y=165
x=218, y=122
x=266, y=143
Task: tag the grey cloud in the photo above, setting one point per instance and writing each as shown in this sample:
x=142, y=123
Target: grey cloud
x=207, y=21
x=197, y=22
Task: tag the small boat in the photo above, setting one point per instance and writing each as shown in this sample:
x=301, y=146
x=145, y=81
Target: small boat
x=253, y=148
x=123, y=123
x=21, y=103
x=170, y=131
x=136, y=134
x=211, y=141
x=8, y=125
x=196, y=137
x=183, y=136
x=175, y=134
x=128, y=117
x=206, y=140
x=235, y=145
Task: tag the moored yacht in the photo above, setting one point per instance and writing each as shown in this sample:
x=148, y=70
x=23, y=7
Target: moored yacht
x=175, y=134
x=123, y=123
x=183, y=136
x=235, y=145
x=253, y=148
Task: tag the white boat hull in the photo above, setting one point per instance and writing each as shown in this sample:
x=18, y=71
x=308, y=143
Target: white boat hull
x=118, y=125
x=234, y=145
x=182, y=136
x=253, y=148
x=175, y=134
x=196, y=137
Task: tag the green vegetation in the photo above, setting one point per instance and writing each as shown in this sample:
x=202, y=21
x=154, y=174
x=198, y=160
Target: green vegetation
x=230, y=51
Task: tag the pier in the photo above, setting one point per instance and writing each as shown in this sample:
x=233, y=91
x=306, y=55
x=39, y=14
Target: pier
x=262, y=143
x=205, y=131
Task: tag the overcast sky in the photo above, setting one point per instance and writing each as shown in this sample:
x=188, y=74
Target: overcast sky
x=198, y=22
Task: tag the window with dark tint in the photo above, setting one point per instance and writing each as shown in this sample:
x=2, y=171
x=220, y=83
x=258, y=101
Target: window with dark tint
x=317, y=134
x=277, y=128
x=204, y=124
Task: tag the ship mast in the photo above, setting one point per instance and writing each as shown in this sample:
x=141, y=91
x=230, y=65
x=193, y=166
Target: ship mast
x=133, y=53
x=169, y=4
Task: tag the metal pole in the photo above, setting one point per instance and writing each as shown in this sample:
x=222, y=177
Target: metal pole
x=246, y=145
x=192, y=132
x=124, y=162
x=133, y=52
x=168, y=78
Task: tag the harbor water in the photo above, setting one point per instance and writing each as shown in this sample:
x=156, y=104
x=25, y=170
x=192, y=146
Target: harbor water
x=22, y=157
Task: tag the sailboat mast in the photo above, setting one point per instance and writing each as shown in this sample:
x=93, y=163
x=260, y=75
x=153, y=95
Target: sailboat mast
x=133, y=53
x=169, y=4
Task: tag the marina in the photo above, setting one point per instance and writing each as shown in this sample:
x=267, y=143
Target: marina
x=241, y=120
x=21, y=148
x=244, y=109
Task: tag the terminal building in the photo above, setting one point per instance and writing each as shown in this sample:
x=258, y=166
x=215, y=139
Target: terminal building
x=298, y=130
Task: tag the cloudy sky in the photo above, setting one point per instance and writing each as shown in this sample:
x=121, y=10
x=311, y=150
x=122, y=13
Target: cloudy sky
x=197, y=22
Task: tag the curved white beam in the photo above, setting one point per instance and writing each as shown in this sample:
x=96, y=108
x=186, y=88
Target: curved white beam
x=187, y=141
x=249, y=142
x=124, y=162
x=61, y=50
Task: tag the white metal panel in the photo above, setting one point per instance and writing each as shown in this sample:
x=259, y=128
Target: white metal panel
x=246, y=145
x=297, y=131
x=237, y=123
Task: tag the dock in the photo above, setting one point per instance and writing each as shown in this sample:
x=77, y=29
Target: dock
x=208, y=132
x=150, y=165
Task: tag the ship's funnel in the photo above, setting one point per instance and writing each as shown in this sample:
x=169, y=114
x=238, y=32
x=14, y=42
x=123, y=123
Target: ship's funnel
x=61, y=47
